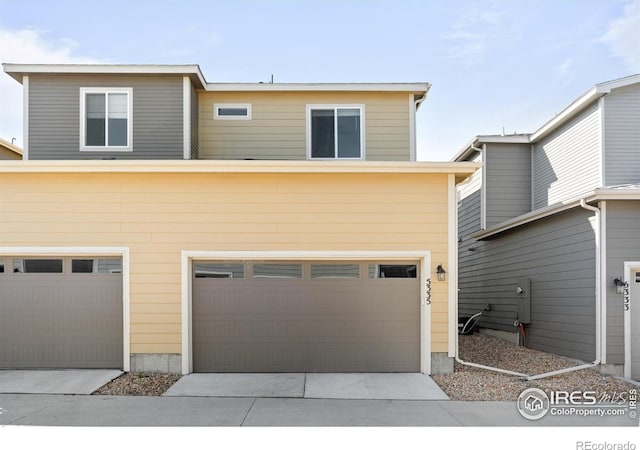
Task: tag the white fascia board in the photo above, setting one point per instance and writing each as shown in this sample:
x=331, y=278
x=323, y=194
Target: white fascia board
x=614, y=194
x=568, y=113
x=420, y=88
x=18, y=70
x=608, y=86
x=462, y=169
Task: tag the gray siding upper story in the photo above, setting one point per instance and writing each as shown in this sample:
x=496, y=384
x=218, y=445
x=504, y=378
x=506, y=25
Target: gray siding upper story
x=54, y=116
x=557, y=254
x=567, y=162
x=622, y=136
x=508, y=181
x=622, y=219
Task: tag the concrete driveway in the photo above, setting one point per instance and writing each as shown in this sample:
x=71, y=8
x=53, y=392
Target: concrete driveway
x=350, y=386
x=73, y=381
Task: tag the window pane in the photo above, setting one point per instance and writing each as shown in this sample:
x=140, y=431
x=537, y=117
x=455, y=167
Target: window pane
x=108, y=265
x=95, y=125
x=218, y=270
x=82, y=266
x=322, y=133
x=118, y=119
x=349, y=133
x=277, y=271
x=335, y=270
x=242, y=112
x=1, y=265
x=37, y=265
x=393, y=271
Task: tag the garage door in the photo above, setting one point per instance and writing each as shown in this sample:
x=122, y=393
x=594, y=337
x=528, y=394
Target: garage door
x=306, y=316
x=60, y=312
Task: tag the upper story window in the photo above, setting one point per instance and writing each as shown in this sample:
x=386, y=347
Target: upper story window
x=231, y=111
x=105, y=119
x=335, y=131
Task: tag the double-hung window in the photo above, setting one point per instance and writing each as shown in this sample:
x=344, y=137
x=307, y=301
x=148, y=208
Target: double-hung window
x=335, y=131
x=105, y=119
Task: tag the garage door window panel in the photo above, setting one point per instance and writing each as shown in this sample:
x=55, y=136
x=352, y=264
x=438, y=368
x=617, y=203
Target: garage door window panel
x=393, y=271
x=105, y=266
x=277, y=271
x=333, y=271
x=219, y=270
x=37, y=266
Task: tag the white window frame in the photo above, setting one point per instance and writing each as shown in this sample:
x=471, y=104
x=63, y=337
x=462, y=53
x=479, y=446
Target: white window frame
x=218, y=106
x=336, y=107
x=83, y=120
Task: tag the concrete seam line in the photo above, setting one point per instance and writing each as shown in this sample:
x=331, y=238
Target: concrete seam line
x=248, y=411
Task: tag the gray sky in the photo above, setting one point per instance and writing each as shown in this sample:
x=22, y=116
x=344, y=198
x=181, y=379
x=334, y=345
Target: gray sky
x=493, y=64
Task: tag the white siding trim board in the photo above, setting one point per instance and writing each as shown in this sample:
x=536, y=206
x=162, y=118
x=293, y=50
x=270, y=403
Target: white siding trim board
x=629, y=267
x=25, y=117
x=186, y=117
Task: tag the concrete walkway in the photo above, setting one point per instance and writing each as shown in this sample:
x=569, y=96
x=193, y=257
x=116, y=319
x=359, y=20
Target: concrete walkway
x=91, y=410
x=352, y=386
x=81, y=381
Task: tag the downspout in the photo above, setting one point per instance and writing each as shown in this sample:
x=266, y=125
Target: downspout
x=590, y=365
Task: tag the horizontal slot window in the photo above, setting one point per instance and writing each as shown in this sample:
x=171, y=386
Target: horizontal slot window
x=335, y=270
x=393, y=271
x=218, y=270
x=277, y=271
x=37, y=265
x=232, y=111
x=96, y=266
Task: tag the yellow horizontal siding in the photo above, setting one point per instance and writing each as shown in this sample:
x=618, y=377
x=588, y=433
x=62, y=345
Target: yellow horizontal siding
x=278, y=125
x=158, y=215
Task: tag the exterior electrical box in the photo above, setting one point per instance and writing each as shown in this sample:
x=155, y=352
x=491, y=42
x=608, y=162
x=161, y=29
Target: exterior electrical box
x=523, y=299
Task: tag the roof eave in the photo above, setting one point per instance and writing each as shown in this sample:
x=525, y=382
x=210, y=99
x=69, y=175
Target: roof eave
x=17, y=71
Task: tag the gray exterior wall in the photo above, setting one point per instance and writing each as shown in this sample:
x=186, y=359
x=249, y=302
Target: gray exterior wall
x=507, y=182
x=54, y=116
x=622, y=136
x=622, y=219
x=557, y=254
x=567, y=162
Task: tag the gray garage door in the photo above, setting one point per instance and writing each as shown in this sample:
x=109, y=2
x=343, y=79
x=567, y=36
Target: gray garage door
x=60, y=312
x=306, y=317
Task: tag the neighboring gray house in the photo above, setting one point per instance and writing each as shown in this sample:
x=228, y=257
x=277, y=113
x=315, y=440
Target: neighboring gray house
x=549, y=230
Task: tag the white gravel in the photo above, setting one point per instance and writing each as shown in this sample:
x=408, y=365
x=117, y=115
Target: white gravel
x=469, y=383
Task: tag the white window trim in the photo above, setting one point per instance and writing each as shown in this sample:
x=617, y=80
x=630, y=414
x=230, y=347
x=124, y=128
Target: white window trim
x=336, y=106
x=217, y=106
x=83, y=122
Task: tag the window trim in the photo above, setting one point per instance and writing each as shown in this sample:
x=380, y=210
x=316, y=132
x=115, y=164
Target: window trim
x=336, y=107
x=83, y=122
x=218, y=106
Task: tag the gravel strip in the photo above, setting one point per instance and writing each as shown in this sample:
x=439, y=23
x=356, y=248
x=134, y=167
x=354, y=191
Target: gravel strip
x=139, y=383
x=469, y=383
